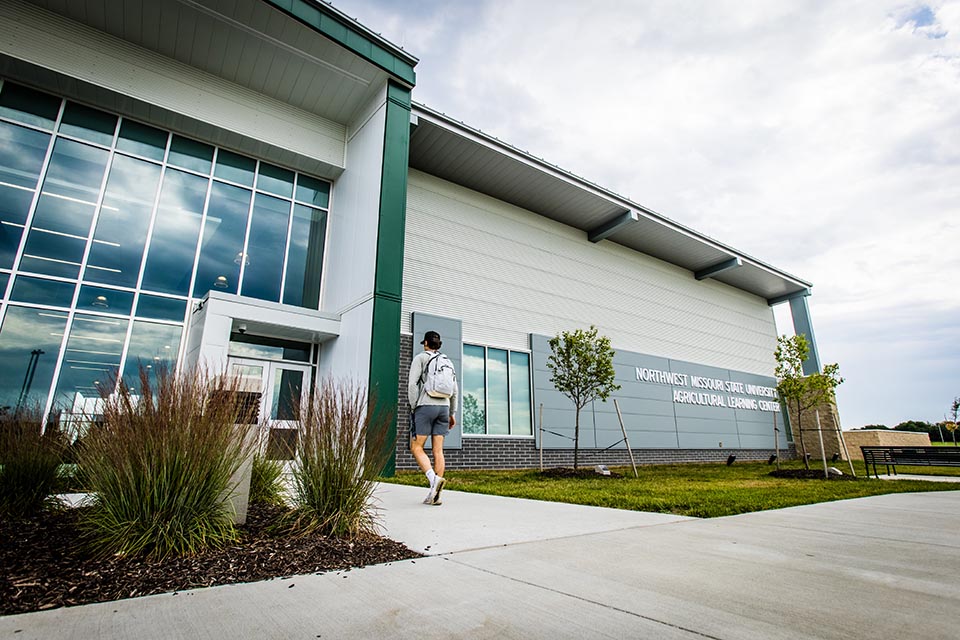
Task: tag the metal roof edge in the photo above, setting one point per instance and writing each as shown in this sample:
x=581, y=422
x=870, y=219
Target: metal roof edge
x=437, y=117
x=382, y=53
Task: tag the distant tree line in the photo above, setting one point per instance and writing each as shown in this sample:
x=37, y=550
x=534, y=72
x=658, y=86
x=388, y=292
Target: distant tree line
x=936, y=433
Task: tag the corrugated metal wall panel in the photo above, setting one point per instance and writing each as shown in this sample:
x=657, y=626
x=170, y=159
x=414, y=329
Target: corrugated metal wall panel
x=507, y=273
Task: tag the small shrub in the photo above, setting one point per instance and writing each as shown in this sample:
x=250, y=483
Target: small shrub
x=340, y=453
x=29, y=463
x=266, y=481
x=161, y=466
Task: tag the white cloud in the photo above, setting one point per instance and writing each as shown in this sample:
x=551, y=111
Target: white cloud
x=823, y=138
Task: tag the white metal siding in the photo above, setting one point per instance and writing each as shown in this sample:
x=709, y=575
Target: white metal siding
x=507, y=272
x=53, y=42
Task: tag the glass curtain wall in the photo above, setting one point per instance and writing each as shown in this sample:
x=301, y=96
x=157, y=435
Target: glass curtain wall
x=110, y=229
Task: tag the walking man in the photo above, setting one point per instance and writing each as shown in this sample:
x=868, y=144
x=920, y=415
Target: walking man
x=432, y=394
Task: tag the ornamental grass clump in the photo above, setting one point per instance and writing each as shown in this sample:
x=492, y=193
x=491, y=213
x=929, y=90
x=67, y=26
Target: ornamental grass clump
x=341, y=450
x=266, y=481
x=29, y=463
x=161, y=465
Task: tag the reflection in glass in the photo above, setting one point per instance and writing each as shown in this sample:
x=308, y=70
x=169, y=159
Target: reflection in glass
x=498, y=408
x=245, y=345
x=21, y=155
x=235, y=168
x=91, y=359
x=250, y=388
x=90, y=124
x=21, y=158
x=29, y=344
x=474, y=390
x=123, y=222
x=275, y=180
x=142, y=140
x=287, y=390
x=75, y=171
x=161, y=308
x=60, y=226
x=29, y=106
x=520, y=418
x=313, y=191
x=223, y=234
x=172, y=248
x=268, y=235
x=105, y=300
x=190, y=154
x=4, y=279
x=153, y=347
x=41, y=291
x=305, y=257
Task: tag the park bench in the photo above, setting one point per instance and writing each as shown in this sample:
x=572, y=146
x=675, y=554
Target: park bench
x=890, y=457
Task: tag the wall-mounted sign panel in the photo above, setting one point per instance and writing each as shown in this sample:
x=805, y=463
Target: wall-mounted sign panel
x=665, y=404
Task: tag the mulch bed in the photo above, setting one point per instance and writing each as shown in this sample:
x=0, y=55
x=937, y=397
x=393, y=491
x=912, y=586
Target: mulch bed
x=808, y=474
x=42, y=567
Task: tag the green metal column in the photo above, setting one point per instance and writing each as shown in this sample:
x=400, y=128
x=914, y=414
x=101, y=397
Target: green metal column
x=388, y=285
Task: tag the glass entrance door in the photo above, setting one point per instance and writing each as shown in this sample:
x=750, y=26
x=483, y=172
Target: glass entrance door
x=278, y=389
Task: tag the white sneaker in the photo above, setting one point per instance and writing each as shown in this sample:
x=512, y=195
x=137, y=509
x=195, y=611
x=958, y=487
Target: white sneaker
x=431, y=495
x=437, y=488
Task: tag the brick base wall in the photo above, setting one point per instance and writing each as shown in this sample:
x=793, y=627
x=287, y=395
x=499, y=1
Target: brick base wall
x=522, y=453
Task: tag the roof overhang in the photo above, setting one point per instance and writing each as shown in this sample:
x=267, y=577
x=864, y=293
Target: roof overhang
x=304, y=53
x=449, y=149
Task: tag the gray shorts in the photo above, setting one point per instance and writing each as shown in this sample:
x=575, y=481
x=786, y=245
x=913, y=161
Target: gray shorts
x=430, y=420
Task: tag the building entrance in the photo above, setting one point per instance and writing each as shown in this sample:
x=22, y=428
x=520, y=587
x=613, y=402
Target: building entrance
x=276, y=390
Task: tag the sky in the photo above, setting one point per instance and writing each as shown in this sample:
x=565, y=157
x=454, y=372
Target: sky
x=822, y=138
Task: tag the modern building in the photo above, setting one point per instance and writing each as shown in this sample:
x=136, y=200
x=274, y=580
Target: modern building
x=248, y=186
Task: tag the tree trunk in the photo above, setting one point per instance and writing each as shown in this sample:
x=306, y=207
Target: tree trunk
x=803, y=447
x=576, y=441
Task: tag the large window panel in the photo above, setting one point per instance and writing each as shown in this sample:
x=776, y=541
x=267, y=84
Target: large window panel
x=28, y=106
x=55, y=293
x=87, y=123
x=275, y=180
x=161, y=308
x=122, y=225
x=520, y=401
x=105, y=300
x=496, y=392
x=153, y=347
x=29, y=345
x=174, y=243
x=61, y=224
x=222, y=248
x=91, y=360
x=305, y=257
x=22, y=152
x=313, y=191
x=142, y=140
x=191, y=154
x=265, y=248
x=474, y=390
x=235, y=168
x=498, y=404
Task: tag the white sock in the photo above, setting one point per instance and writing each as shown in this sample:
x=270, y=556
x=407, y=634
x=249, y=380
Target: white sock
x=431, y=476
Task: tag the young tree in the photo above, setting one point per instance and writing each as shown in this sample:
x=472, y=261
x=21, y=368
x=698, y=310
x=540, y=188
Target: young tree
x=803, y=392
x=582, y=366
x=951, y=424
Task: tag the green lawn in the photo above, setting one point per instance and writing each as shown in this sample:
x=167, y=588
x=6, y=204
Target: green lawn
x=700, y=490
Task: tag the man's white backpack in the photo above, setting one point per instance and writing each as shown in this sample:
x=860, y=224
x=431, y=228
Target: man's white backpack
x=439, y=378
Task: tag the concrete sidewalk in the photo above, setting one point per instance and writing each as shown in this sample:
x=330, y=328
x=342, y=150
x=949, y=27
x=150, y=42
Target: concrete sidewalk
x=501, y=567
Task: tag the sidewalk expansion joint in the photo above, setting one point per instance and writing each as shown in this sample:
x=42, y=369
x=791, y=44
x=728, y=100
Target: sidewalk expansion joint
x=587, y=600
